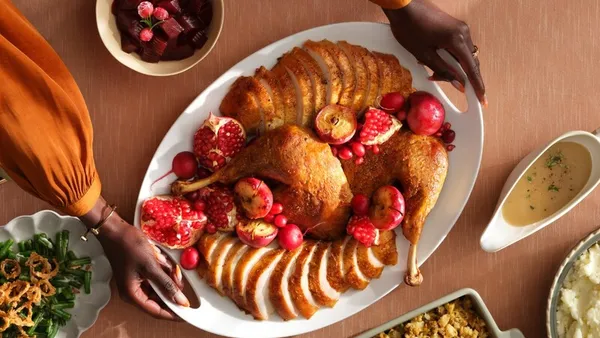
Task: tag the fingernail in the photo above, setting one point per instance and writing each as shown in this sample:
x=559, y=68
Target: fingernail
x=155, y=248
x=458, y=86
x=181, y=299
x=178, y=274
x=431, y=78
x=484, y=102
x=161, y=258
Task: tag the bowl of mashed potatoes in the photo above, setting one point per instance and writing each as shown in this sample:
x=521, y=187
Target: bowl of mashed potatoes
x=574, y=301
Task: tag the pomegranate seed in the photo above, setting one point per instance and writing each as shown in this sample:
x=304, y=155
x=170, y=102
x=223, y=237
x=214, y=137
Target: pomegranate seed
x=359, y=160
x=334, y=151
x=375, y=149
x=438, y=134
x=450, y=147
x=401, y=115
x=345, y=153
x=448, y=136
x=199, y=205
x=358, y=149
x=211, y=228
x=269, y=218
x=192, y=196
x=447, y=125
x=276, y=209
x=280, y=221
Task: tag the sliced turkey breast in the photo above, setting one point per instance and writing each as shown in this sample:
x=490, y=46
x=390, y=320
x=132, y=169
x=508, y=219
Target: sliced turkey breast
x=354, y=276
x=385, y=73
x=274, y=118
x=373, y=71
x=335, y=265
x=279, y=293
x=317, y=78
x=368, y=264
x=241, y=103
x=401, y=78
x=208, y=243
x=361, y=74
x=231, y=261
x=347, y=71
x=386, y=251
x=298, y=282
x=319, y=287
x=257, y=293
x=242, y=272
x=304, y=92
x=215, y=270
x=288, y=91
x=329, y=67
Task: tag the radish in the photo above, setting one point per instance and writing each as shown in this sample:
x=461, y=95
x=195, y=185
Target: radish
x=290, y=237
x=184, y=165
x=189, y=258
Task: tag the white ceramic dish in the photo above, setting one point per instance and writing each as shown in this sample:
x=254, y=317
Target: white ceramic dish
x=499, y=234
x=479, y=306
x=561, y=274
x=107, y=27
x=218, y=314
x=87, y=307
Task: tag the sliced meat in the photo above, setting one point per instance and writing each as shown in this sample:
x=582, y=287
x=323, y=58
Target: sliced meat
x=369, y=265
x=215, y=269
x=354, y=276
x=335, y=265
x=208, y=243
x=231, y=261
x=401, y=77
x=373, y=71
x=257, y=294
x=386, y=251
x=303, y=86
x=274, y=118
x=319, y=287
x=298, y=282
x=242, y=272
x=241, y=104
x=288, y=91
x=385, y=73
x=361, y=74
x=317, y=78
x=279, y=293
x=329, y=67
x=347, y=70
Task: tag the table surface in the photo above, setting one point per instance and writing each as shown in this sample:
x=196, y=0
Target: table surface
x=539, y=61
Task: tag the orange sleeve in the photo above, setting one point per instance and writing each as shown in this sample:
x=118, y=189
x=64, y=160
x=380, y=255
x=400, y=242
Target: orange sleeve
x=46, y=132
x=391, y=4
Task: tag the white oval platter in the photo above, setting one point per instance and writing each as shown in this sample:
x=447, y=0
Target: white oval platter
x=87, y=307
x=219, y=315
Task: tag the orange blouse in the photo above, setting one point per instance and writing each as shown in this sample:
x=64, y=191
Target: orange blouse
x=45, y=128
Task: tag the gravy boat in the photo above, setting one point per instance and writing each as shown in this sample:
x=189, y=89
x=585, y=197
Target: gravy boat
x=499, y=234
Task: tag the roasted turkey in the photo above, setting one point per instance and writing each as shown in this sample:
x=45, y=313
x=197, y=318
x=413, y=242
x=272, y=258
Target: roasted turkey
x=291, y=283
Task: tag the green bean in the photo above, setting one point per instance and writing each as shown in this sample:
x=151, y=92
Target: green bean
x=65, y=243
x=29, y=245
x=87, y=282
x=80, y=262
x=46, y=242
x=59, y=251
x=21, y=246
x=11, y=255
x=6, y=248
x=63, y=305
x=3, y=280
x=74, y=272
x=36, y=321
x=61, y=314
x=68, y=294
x=71, y=255
x=54, y=331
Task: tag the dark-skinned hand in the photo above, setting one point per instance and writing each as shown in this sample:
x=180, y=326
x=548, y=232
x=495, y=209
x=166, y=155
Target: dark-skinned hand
x=422, y=28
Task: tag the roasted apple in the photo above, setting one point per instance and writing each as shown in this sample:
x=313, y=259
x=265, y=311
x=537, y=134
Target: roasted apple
x=335, y=124
x=254, y=196
x=426, y=114
x=387, y=208
x=256, y=233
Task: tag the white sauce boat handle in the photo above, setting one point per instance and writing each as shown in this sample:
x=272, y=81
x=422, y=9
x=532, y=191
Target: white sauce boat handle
x=596, y=132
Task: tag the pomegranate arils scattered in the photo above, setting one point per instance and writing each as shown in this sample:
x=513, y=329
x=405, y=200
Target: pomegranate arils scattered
x=146, y=34
x=211, y=228
x=448, y=136
x=358, y=149
x=199, y=205
x=217, y=141
x=359, y=160
x=345, y=153
x=450, y=147
x=375, y=149
x=363, y=230
x=447, y=126
x=220, y=208
x=378, y=127
x=145, y=9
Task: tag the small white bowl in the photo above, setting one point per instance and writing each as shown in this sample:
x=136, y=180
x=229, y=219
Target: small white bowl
x=499, y=234
x=478, y=304
x=107, y=27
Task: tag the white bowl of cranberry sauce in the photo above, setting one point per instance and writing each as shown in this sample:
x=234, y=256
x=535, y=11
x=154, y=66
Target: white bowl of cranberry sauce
x=159, y=37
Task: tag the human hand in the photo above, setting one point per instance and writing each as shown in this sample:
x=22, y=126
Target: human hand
x=422, y=28
x=136, y=262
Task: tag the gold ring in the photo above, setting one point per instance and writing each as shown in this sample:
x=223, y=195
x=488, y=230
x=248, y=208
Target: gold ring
x=476, y=51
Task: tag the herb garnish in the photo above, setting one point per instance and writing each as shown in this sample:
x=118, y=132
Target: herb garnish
x=552, y=187
x=553, y=160
x=531, y=207
x=529, y=179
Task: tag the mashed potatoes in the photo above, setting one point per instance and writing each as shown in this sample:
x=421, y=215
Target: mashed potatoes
x=578, y=314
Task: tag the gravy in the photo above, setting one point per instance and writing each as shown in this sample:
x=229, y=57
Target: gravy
x=553, y=180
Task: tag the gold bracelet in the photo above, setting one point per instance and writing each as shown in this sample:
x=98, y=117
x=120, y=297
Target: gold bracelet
x=96, y=230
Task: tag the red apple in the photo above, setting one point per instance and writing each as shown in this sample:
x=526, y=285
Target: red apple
x=335, y=124
x=256, y=233
x=426, y=114
x=254, y=196
x=387, y=208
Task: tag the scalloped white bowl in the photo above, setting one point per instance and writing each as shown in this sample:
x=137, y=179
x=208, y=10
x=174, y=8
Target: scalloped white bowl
x=87, y=307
